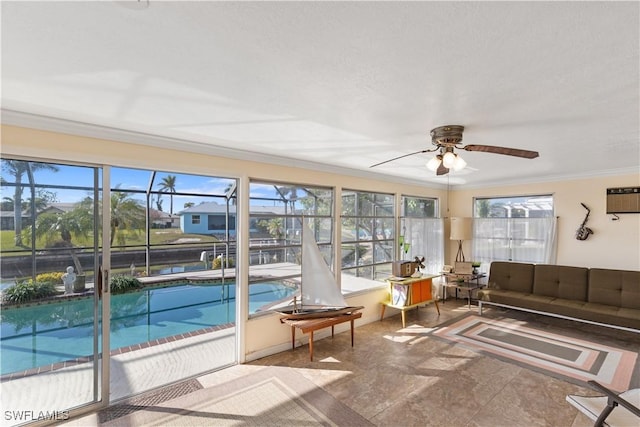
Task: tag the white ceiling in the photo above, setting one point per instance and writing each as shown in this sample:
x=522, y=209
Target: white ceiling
x=340, y=84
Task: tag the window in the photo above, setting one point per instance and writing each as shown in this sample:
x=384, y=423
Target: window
x=219, y=223
x=518, y=228
x=180, y=208
x=422, y=233
x=276, y=212
x=368, y=234
x=50, y=211
x=416, y=207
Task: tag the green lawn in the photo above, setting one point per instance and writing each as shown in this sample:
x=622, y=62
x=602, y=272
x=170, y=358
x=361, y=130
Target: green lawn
x=157, y=237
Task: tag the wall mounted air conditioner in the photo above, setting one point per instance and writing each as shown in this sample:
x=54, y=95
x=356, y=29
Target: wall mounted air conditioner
x=623, y=200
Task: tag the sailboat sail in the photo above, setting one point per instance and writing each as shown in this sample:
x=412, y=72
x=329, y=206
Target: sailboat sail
x=319, y=287
x=320, y=294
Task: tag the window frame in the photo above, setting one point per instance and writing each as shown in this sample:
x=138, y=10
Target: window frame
x=287, y=246
x=381, y=238
x=523, y=238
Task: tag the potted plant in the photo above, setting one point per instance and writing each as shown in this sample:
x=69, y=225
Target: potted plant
x=475, y=265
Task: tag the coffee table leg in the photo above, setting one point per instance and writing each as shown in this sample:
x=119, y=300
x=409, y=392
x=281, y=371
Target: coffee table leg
x=311, y=346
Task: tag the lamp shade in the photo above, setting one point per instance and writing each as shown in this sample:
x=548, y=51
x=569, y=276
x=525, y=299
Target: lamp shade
x=448, y=159
x=461, y=229
x=459, y=164
x=434, y=163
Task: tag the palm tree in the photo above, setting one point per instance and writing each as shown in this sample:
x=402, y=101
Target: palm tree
x=230, y=191
x=289, y=195
x=18, y=168
x=168, y=185
x=65, y=225
x=126, y=214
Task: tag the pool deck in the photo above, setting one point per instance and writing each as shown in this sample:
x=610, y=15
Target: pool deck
x=131, y=373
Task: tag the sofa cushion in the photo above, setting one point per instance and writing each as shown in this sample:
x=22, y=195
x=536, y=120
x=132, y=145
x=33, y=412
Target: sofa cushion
x=628, y=317
x=512, y=276
x=537, y=302
x=561, y=281
x=569, y=308
x=601, y=313
x=619, y=288
x=501, y=297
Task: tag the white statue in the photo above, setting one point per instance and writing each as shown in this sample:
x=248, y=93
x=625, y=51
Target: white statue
x=68, y=278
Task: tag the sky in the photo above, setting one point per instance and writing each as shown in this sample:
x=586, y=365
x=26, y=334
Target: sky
x=81, y=178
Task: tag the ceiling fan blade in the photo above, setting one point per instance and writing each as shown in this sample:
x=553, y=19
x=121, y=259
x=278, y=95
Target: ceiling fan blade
x=503, y=150
x=442, y=170
x=400, y=157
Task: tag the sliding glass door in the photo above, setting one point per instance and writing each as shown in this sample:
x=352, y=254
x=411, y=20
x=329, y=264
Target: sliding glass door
x=169, y=295
x=51, y=315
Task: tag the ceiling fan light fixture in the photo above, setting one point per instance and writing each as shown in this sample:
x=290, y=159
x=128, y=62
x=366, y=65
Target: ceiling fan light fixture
x=446, y=140
x=434, y=163
x=459, y=164
x=448, y=160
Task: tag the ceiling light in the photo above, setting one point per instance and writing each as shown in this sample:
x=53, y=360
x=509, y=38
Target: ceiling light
x=434, y=163
x=448, y=159
x=459, y=164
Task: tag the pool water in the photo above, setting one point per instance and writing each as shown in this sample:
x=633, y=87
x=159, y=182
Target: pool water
x=50, y=333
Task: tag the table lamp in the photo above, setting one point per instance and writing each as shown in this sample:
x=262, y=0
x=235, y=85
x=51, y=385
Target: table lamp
x=461, y=230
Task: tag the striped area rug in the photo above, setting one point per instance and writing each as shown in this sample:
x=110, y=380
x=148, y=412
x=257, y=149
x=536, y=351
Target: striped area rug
x=552, y=353
x=270, y=396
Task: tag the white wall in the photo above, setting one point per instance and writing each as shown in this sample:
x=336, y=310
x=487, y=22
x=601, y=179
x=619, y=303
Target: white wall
x=614, y=244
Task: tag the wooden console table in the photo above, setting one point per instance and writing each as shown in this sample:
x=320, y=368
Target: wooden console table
x=311, y=325
x=408, y=293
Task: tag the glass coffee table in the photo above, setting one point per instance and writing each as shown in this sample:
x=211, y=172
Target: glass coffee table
x=462, y=282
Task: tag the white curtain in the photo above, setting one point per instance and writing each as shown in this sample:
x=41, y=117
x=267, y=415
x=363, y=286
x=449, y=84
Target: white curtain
x=514, y=239
x=426, y=236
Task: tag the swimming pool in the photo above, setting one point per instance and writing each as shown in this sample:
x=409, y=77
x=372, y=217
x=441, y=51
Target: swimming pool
x=50, y=333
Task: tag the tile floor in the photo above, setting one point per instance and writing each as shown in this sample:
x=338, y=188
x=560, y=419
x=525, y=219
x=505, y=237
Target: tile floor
x=396, y=376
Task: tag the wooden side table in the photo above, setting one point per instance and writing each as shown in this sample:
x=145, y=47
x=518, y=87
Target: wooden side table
x=408, y=293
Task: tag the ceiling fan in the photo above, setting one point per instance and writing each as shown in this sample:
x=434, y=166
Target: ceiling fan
x=445, y=139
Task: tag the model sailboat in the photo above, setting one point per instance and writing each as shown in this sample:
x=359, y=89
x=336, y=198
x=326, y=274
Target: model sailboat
x=320, y=295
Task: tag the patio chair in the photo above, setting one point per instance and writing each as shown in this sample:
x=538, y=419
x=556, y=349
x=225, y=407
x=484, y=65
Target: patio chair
x=612, y=409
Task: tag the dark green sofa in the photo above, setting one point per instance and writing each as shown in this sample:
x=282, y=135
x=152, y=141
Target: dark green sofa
x=593, y=295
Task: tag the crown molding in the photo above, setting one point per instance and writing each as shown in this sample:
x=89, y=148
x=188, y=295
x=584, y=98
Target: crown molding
x=78, y=128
